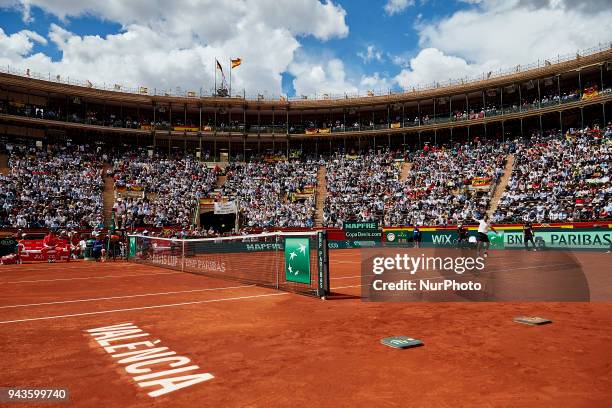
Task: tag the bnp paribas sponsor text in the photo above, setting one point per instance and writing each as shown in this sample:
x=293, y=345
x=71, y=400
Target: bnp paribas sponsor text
x=210, y=265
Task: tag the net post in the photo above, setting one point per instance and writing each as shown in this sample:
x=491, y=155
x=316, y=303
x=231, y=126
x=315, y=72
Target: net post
x=182, y=255
x=323, y=265
x=276, y=257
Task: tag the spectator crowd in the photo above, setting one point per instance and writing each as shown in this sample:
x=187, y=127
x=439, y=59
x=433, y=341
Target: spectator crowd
x=159, y=191
x=53, y=187
x=278, y=194
x=555, y=178
x=359, y=186
x=439, y=188
x=559, y=178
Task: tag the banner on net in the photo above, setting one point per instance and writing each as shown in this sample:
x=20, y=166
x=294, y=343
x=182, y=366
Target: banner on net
x=226, y=208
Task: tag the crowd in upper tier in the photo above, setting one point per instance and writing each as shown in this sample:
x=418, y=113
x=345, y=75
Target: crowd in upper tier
x=456, y=110
x=555, y=177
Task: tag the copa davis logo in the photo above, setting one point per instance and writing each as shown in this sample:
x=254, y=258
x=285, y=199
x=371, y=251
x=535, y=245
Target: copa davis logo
x=407, y=264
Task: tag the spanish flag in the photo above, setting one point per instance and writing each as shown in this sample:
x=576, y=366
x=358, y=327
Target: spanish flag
x=236, y=62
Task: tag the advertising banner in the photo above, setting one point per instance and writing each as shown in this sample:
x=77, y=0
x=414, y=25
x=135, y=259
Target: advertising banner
x=557, y=238
x=360, y=225
x=480, y=183
x=297, y=260
x=362, y=231
x=226, y=208
x=595, y=239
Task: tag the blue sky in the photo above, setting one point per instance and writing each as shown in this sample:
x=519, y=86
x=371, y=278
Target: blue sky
x=290, y=48
x=392, y=35
x=11, y=22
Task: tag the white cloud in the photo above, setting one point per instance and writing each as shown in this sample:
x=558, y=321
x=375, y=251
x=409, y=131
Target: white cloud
x=401, y=60
x=167, y=46
x=397, y=6
x=328, y=75
x=432, y=65
x=324, y=76
x=516, y=34
x=501, y=34
x=303, y=17
x=370, y=54
x=162, y=45
x=211, y=19
x=376, y=83
x=19, y=44
x=493, y=34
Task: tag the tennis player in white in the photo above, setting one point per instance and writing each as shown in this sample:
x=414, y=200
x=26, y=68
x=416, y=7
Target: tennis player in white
x=483, y=238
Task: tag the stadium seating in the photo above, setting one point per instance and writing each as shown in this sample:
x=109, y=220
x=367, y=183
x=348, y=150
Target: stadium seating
x=560, y=178
x=280, y=194
x=556, y=177
x=439, y=188
x=359, y=186
x=59, y=186
x=170, y=189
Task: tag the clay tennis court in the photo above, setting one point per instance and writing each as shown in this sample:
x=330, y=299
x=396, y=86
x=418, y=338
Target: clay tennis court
x=269, y=348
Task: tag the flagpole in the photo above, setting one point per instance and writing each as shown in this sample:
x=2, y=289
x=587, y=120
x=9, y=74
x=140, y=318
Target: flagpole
x=215, y=67
x=230, y=84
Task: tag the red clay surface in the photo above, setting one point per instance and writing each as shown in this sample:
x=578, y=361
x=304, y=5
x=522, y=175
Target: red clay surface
x=268, y=348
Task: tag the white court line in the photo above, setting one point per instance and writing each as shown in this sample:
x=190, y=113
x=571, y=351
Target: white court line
x=126, y=296
x=359, y=276
x=36, y=267
x=144, y=308
x=345, y=277
x=93, y=277
x=350, y=286
x=446, y=277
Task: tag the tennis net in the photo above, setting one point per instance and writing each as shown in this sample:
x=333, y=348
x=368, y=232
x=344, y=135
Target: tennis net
x=290, y=261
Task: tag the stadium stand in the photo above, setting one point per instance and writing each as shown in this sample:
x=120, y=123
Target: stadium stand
x=169, y=189
x=359, y=186
x=560, y=177
x=455, y=139
x=439, y=189
x=280, y=194
x=56, y=187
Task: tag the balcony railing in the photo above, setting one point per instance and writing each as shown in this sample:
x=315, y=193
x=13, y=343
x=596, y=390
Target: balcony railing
x=19, y=109
x=259, y=96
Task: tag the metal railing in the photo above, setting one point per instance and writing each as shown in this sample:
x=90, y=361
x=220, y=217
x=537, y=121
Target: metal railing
x=210, y=92
x=407, y=121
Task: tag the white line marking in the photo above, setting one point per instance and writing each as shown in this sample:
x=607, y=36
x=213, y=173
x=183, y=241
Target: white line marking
x=125, y=297
x=144, y=307
x=359, y=276
x=345, y=277
x=55, y=267
x=350, y=286
x=94, y=277
x=446, y=277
